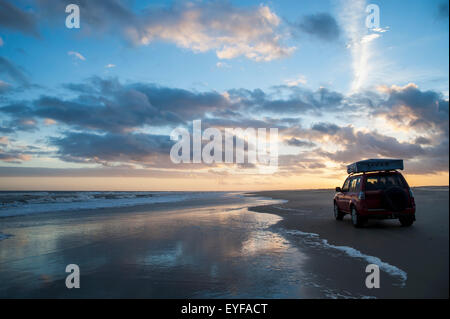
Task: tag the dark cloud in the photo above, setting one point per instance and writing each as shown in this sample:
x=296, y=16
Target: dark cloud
x=108, y=105
x=320, y=25
x=421, y=110
x=327, y=128
x=13, y=72
x=14, y=18
x=299, y=143
x=88, y=147
x=442, y=10
x=297, y=101
x=367, y=145
x=422, y=140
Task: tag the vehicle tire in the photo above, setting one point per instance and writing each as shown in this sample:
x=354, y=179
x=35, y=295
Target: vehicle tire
x=406, y=221
x=395, y=199
x=357, y=220
x=337, y=213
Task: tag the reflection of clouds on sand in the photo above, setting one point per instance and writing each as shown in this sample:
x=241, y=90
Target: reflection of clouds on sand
x=264, y=242
x=203, y=251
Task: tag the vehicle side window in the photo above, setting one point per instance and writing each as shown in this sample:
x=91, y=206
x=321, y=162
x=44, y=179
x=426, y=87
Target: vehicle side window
x=372, y=183
x=346, y=185
x=354, y=184
x=358, y=184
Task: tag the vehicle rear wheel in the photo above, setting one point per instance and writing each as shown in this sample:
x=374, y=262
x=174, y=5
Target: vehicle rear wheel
x=337, y=213
x=357, y=220
x=406, y=221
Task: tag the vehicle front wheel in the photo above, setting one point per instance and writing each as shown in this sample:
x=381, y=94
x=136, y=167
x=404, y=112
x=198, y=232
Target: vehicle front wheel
x=337, y=213
x=357, y=220
x=406, y=221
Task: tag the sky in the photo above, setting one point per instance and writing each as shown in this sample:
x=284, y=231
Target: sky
x=92, y=108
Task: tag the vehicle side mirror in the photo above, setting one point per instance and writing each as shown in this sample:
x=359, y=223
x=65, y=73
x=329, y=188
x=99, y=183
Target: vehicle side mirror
x=338, y=189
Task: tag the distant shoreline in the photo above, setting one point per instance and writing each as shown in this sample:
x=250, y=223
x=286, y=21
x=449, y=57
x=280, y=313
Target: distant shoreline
x=190, y=191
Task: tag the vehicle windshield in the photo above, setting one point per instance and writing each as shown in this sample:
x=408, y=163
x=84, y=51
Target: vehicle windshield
x=377, y=182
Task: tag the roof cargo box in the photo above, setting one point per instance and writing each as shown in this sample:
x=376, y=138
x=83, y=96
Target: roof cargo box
x=372, y=165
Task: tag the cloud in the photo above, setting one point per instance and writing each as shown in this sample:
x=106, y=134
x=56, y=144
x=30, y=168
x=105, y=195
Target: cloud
x=77, y=55
x=298, y=100
x=218, y=26
x=356, y=145
x=111, y=147
x=13, y=72
x=442, y=10
x=222, y=65
x=420, y=110
x=109, y=123
x=1, y=42
x=110, y=65
x=366, y=61
x=370, y=37
x=299, y=143
x=327, y=128
x=14, y=18
x=301, y=79
x=422, y=141
x=108, y=105
x=11, y=154
x=13, y=157
x=4, y=87
x=320, y=25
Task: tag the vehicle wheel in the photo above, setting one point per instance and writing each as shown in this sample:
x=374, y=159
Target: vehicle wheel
x=357, y=220
x=337, y=213
x=406, y=221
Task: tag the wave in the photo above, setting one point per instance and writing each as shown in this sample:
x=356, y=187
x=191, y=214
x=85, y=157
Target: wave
x=354, y=253
x=25, y=203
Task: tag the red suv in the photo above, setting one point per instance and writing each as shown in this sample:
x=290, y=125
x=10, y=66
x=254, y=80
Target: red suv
x=375, y=190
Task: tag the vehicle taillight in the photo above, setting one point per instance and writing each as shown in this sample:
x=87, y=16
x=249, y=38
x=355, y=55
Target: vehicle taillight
x=361, y=195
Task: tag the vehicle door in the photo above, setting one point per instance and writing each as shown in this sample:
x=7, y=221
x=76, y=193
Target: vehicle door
x=341, y=200
x=354, y=188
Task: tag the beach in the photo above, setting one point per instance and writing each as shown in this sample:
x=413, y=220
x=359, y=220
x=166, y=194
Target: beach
x=279, y=244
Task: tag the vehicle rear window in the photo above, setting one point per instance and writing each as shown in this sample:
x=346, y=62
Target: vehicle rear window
x=378, y=182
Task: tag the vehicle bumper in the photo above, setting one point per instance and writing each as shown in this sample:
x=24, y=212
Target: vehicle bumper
x=385, y=214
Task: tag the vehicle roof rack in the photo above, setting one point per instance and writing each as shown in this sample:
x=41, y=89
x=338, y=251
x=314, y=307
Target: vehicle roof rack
x=373, y=165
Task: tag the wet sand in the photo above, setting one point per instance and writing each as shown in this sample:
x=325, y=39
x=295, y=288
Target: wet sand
x=200, y=249
x=422, y=251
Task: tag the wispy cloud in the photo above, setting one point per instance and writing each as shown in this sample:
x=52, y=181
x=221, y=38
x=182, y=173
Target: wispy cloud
x=110, y=66
x=13, y=72
x=360, y=42
x=222, y=65
x=77, y=55
x=301, y=79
